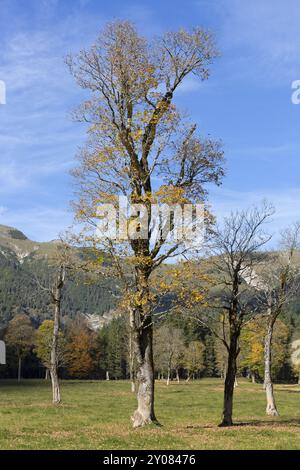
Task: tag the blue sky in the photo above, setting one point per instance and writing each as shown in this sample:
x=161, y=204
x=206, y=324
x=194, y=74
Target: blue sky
x=246, y=102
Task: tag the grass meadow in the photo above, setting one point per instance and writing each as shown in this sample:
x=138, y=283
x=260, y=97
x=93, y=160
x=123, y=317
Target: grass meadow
x=95, y=415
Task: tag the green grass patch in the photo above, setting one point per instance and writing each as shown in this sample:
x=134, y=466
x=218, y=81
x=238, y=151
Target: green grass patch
x=96, y=415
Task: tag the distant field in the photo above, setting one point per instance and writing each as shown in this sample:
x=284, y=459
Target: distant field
x=95, y=415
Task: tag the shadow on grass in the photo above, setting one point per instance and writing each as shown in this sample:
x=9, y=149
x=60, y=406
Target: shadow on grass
x=24, y=382
x=254, y=423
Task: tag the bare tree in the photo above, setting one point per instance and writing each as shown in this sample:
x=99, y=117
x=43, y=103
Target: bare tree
x=216, y=292
x=236, y=247
x=136, y=137
x=168, y=350
x=56, y=294
x=61, y=261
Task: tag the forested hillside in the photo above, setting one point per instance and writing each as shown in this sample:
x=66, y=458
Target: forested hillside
x=22, y=261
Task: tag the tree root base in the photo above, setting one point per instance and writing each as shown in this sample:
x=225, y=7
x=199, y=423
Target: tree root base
x=225, y=424
x=139, y=420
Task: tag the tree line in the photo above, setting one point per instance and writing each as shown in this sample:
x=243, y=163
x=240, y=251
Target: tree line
x=182, y=351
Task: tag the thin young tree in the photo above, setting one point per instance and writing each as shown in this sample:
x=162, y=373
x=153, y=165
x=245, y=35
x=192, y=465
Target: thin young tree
x=282, y=281
x=61, y=261
x=56, y=296
x=141, y=148
x=169, y=347
x=20, y=336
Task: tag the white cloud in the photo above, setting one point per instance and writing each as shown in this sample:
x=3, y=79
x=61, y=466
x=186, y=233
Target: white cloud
x=38, y=140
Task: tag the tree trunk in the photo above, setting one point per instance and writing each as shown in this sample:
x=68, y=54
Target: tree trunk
x=107, y=375
x=141, y=324
x=299, y=379
x=177, y=376
x=253, y=379
x=271, y=409
x=19, y=368
x=56, y=398
x=56, y=294
x=131, y=363
x=142, y=336
x=224, y=373
x=236, y=384
x=230, y=380
x=168, y=377
x=47, y=374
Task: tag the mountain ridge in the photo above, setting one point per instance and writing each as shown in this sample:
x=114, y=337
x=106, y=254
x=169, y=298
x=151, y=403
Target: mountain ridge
x=22, y=260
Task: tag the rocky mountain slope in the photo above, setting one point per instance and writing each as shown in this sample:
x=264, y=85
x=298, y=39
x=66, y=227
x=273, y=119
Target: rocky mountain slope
x=22, y=260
